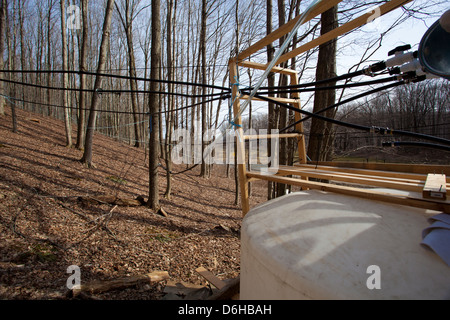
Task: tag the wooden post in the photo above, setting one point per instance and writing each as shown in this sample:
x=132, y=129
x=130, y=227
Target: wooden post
x=243, y=181
x=302, y=159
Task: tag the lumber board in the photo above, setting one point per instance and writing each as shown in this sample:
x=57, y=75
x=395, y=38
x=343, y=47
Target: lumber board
x=361, y=174
x=435, y=187
x=284, y=100
x=242, y=170
x=345, y=28
x=268, y=136
x=422, y=169
x=262, y=66
x=120, y=283
x=286, y=28
x=369, y=181
x=381, y=173
x=210, y=277
x=229, y=292
x=418, y=202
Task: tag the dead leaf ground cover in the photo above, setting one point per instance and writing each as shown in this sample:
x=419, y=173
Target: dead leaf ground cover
x=44, y=227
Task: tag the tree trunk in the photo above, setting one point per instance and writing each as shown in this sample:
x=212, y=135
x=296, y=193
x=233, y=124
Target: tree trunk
x=154, y=107
x=280, y=187
x=204, y=166
x=81, y=133
x=271, y=83
x=95, y=102
x=320, y=140
x=128, y=26
x=3, y=6
x=65, y=58
x=49, y=51
x=169, y=114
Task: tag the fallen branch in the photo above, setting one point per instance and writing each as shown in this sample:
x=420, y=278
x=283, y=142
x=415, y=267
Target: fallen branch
x=102, y=224
x=139, y=201
x=96, y=287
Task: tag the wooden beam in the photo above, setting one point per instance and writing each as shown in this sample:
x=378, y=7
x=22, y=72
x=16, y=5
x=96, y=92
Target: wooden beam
x=120, y=283
x=301, y=144
x=211, y=278
x=286, y=28
x=358, y=192
x=240, y=142
x=400, y=168
x=361, y=180
x=435, y=187
x=261, y=66
x=284, y=100
x=349, y=26
x=268, y=136
x=381, y=175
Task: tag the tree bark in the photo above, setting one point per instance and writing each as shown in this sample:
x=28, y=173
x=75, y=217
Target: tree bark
x=128, y=27
x=95, y=102
x=320, y=140
x=271, y=82
x=204, y=166
x=65, y=58
x=154, y=107
x=3, y=6
x=81, y=133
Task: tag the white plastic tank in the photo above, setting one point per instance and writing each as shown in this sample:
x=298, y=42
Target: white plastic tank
x=318, y=245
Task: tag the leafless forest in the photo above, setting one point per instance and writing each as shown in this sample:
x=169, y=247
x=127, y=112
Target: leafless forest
x=91, y=92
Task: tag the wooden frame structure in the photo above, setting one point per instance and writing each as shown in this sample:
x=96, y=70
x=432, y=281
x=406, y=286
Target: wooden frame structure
x=404, y=184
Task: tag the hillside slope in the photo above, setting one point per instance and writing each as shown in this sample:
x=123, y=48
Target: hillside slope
x=45, y=228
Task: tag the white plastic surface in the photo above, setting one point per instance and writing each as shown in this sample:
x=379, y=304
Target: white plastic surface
x=317, y=245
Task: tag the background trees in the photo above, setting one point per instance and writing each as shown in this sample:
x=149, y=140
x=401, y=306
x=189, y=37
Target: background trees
x=197, y=39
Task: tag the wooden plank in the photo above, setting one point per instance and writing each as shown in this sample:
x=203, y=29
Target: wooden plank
x=121, y=283
x=284, y=100
x=362, y=174
x=435, y=187
x=358, y=192
x=211, y=278
x=347, y=27
x=243, y=183
x=261, y=66
x=301, y=144
x=268, y=136
x=284, y=29
x=368, y=181
x=423, y=169
x=229, y=292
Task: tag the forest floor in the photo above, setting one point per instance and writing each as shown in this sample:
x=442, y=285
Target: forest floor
x=45, y=228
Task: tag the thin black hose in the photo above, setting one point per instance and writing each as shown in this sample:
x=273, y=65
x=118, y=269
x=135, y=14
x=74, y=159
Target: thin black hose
x=373, y=129
x=415, y=144
x=361, y=95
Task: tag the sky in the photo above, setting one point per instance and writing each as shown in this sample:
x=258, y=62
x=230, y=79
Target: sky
x=408, y=32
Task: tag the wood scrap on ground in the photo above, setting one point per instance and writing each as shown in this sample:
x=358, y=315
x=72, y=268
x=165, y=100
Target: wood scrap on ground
x=96, y=287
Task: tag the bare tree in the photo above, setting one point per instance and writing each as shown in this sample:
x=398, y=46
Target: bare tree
x=154, y=108
x=204, y=16
x=65, y=78
x=3, y=7
x=81, y=133
x=127, y=22
x=95, y=102
x=319, y=147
